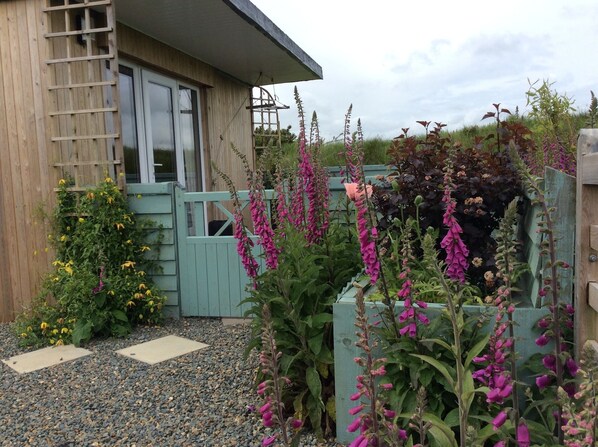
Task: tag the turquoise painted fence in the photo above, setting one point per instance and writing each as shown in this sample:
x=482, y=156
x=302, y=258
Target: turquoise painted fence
x=338, y=204
x=211, y=277
x=560, y=193
x=155, y=202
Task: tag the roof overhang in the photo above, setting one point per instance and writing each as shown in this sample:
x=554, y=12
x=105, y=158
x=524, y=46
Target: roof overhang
x=233, y=36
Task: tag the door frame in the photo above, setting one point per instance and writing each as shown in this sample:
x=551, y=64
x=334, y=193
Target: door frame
x=141, y=77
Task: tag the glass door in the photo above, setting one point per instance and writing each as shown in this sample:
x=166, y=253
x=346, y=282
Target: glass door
x=161, y=128
x=164, y=161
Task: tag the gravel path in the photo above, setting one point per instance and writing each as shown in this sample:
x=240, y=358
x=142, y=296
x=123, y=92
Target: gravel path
x=200, y=399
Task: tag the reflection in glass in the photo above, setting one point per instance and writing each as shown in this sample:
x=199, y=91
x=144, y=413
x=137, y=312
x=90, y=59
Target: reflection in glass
x=162, y=129
x=129, y=125
x=189, y=121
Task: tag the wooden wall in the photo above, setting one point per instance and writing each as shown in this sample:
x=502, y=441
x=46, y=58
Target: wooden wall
x=27, y=155
x=226, y=119
x=26, y=179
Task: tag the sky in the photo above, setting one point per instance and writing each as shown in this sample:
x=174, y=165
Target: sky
x=400, y=61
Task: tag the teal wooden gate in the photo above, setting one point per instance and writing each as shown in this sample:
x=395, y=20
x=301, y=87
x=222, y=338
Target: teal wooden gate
x=212, y=279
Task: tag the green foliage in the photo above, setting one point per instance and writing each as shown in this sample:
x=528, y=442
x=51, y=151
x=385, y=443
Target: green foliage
x=98, y=286
x=552, y=113
x=374, y=152
x=429, y=361
x=439, y=357
x=300, y=294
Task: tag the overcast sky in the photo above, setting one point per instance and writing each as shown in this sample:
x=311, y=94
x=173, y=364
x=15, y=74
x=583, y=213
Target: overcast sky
x=398, y=61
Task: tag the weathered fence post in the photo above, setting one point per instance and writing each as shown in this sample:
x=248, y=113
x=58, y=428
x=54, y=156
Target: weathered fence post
x=586, y=246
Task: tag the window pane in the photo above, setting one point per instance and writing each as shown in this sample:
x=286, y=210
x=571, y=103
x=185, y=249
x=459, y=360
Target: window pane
x=128, y=118
x=189, y=120
x=162, y=129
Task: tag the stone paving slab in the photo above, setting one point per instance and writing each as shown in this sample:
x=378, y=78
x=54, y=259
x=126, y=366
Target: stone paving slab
x=161, y=349
x=235, y=321
x=43, y=358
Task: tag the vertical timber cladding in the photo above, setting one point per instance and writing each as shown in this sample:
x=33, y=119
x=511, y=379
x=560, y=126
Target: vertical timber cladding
x=25, y=176
x=224, y=100
x=83, y=71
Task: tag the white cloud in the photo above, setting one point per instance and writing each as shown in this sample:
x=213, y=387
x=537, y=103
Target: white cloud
x=398, y=62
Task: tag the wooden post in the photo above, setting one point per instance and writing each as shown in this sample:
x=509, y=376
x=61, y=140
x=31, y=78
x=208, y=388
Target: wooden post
x=586, y=262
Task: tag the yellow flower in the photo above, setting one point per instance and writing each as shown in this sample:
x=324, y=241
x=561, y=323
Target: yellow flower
x=62, y=182
x=55, y=278
x=111, y=292
x=50, y=237
x=43, y=326
x=81, y=220
x=68, y=269
x=119, y=226
x=64, y=330
x=151, y=303
x=141, y=316
x=54, y=331
x=108, y=180
x=52, y=341
x=46, y=249
x=144, y=248
x=110, y=199
x=90, y=195
x=127, y=264
x=138, y=296
x=24, y=334
x=148, y=292
x=130, y=303
x=29, y=328
x=60, y=342
x=151, y=309
x=140, y=273
x=63, y=238
x=142, y=286
x=56, y=262
x=127, y=218
x=128, y=242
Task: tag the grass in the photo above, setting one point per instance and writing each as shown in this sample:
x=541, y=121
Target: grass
x=375, y=149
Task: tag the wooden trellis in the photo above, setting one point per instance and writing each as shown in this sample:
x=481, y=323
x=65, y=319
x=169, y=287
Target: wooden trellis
x=83, y=91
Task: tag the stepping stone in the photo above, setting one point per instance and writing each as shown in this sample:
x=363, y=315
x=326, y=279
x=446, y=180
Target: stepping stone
x=43, y=358
x=161, y=349
x=235, y=321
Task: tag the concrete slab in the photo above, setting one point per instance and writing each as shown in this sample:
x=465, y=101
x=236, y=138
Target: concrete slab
x=161, y=349
x=235, y=321
x=43, y=358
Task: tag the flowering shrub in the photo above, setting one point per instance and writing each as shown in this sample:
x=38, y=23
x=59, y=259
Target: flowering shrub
x=99, y=283
x=467, y=366
x=580, y=410
x=309, y=260
x=483, y=182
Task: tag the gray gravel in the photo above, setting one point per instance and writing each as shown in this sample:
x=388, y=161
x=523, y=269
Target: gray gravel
x=200, y=399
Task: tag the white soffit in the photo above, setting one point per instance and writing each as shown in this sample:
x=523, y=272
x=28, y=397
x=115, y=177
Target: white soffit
x=232, y=35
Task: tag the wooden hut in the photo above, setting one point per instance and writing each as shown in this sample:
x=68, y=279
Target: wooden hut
x=142, y=91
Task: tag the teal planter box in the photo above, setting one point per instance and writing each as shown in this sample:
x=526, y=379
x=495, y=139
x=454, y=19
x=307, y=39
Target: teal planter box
x=345, y=350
